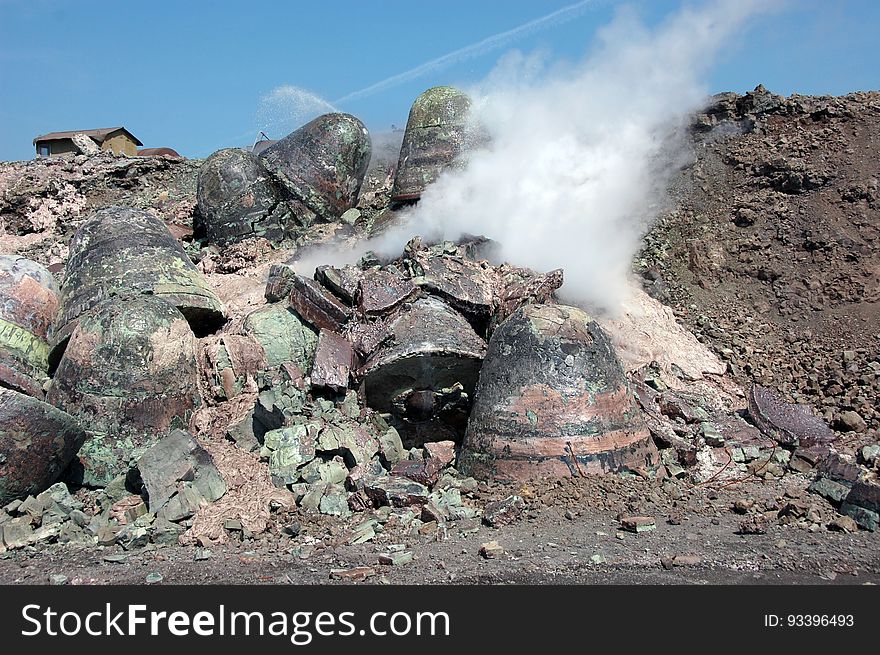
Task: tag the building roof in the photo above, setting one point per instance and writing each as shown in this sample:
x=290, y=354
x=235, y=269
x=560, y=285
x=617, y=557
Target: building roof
x=158, y=152
x=98, y=135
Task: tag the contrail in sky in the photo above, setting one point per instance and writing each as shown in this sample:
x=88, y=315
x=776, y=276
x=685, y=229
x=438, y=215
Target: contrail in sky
x=474, y=50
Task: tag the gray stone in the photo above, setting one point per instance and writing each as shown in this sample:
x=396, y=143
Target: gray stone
x=132, y=536
x=864, y=517
x=827, y=488
x=17, y=533
x=334, y=501
x=333, y=471
x=391, y=447
x=183, y=504
x=711, y=435
x=312, y=500
x=288, y=449
x=177, y=465
x=869, y=454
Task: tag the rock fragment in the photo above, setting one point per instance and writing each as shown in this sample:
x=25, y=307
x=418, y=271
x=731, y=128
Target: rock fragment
x=333, y=361
x=786, y=423
x=37, y=442
x=316, y=305
x=28, y=304
x=175, y=465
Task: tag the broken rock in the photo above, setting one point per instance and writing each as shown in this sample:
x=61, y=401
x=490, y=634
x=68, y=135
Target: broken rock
x=553, y=401
x=317, y=305
x=129, y=371
x=433, y=347
x=37, y=441
x=786, y=423
x=28, y=303
x=178, y=463
x=333, y=360
x=395, y=491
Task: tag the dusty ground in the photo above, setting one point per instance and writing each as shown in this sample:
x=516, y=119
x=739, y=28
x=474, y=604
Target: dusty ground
x=571, y=541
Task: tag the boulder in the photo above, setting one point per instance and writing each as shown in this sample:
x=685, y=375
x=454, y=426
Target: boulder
x=436, y=133
x=37, y=442
x=238, y=199
x=129, y=371
x=553, y=401
x=124, y=251
x=432, y=348
x=28, y=303
x=323, y=163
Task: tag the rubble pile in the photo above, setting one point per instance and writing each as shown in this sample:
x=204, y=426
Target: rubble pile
x=423, y=395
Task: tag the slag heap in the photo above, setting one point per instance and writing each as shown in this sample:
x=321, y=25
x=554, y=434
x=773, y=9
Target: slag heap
x=381, y=383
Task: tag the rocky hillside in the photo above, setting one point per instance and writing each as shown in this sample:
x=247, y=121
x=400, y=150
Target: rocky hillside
x=772, y=254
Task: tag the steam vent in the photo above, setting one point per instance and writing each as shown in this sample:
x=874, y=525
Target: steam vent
x=323, y=163
x=128, y=372
x=553, y=401
x=434, y=137
x=238, y=199
x=37, y=441
x=123, y=251
x=28, y=302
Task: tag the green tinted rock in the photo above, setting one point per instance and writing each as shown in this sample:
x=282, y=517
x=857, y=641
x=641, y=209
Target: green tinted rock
x=283, y=336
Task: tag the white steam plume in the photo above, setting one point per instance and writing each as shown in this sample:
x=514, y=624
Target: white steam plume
x=579, y=156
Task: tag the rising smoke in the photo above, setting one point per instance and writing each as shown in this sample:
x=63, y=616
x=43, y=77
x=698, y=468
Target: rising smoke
x=579, y=155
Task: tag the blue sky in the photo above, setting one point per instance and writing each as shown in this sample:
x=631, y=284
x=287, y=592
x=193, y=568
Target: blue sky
x=191, y=74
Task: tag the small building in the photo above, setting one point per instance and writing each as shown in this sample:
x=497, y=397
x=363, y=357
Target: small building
x=113, y=139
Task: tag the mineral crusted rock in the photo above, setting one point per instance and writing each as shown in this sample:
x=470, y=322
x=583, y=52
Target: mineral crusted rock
x=129, y=371
x=317, y=305
x=323, y=163
x=382, y=290
x=37, y=442
x=432, y=348
x=284, y=337
x=553, y=401
x=334, y=358
x=28, y=303
x=436, y=133
x=177, y=465
x=395, y=491
x=343, y=282
x=786, y=423
x=467, y=285
x=238, y=199
x=123, y=251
